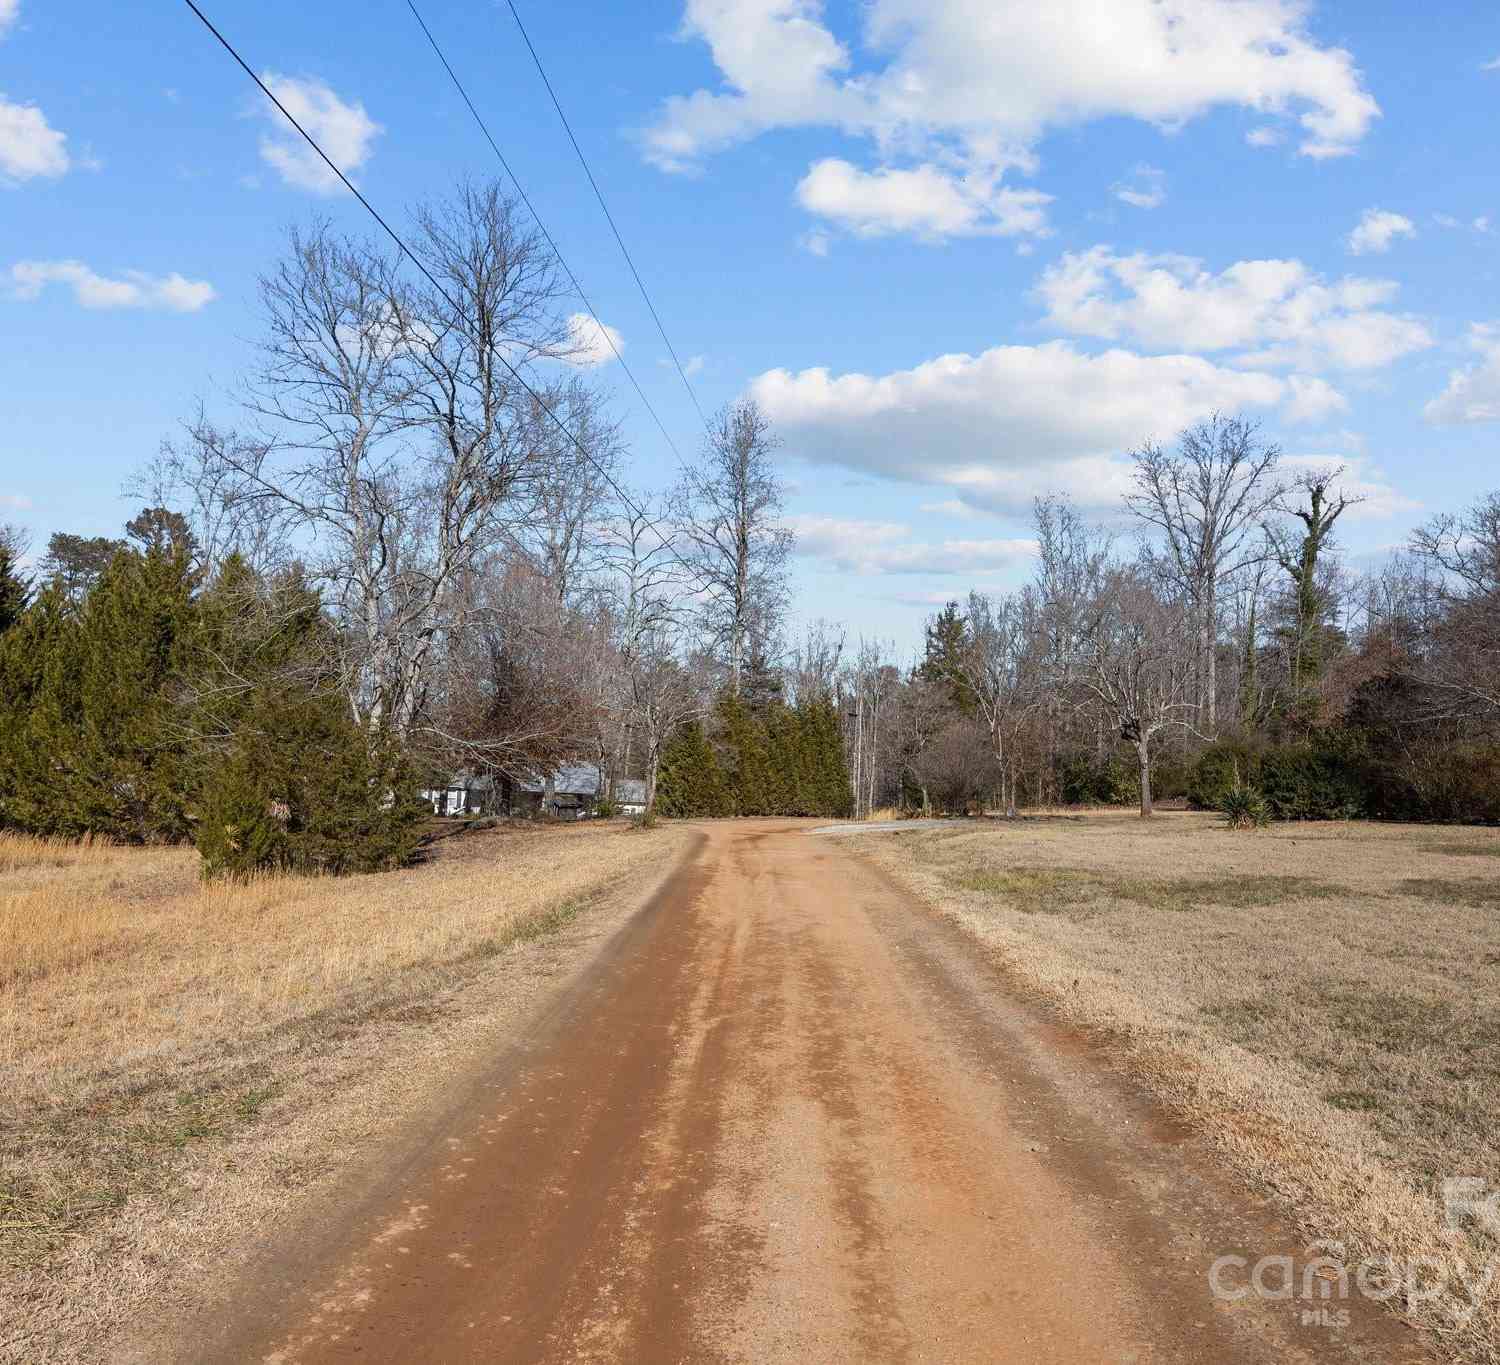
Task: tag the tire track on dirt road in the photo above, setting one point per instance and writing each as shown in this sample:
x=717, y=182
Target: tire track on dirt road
x=794, y=1117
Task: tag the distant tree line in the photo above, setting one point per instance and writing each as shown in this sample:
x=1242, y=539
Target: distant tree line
x=1224, y=646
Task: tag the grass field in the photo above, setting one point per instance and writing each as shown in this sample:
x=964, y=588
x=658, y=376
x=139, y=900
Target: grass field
x=1323, y=1000
x=175, y=1054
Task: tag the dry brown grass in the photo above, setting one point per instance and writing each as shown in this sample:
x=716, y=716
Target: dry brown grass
x=145, y=1016
x=1323, y=1000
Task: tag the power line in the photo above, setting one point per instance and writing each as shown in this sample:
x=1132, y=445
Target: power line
x=411, y=256
x=599, y=195
x=537, y=218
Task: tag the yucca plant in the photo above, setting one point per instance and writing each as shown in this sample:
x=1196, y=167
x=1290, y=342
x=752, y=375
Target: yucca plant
x=1245, y=808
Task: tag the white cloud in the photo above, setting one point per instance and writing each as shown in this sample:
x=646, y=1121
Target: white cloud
x=997, y=428
x=10, y=11
x=815, y=243
x=950, y=507
x=596, y=343
x=926, y=201
x=967, y=88
x=345, y=131
x=1145, y=189
x=1377, y=229
x=1473, y=393
x=886, y=547
x=29, y=145
x=172, y=293
x=1282, y=308
x=1313, y=399
x=692, y=365
x=1492, y=65
x=1480, y=225
x=1264, y=136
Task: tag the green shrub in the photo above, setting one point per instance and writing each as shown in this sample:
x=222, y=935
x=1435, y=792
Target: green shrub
x=1450, y=783
x=242, y=827
x=1311, y=782
x=1245, y=808
x=1085, y=780
x=307, y=790
x=1217, y=771
x=1323, y=779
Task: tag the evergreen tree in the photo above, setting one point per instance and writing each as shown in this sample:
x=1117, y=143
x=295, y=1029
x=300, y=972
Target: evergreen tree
x=786, y=762
x=38, y=682
x=690, y=783
x=829, y=773
x=947, y=643
x=292, y=782
x=15, y=590
x=746, y=767
x=120, y=747
x=159, y=528
x=305, y=789
x=77, y=563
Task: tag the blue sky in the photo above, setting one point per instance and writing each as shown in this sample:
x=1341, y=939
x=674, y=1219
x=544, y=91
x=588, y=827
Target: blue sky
x=963, y=253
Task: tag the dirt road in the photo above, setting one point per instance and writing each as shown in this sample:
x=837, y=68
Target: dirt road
x=790, y=1116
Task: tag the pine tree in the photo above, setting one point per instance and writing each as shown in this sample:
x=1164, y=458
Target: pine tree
x=786, y=762
x=291, y=783
x=746, y=768
x=38, y=671
x=120, y=758
x=305, y=789
x=690, y=784
x=830, y=795
x=15, y=590
x=947, y=644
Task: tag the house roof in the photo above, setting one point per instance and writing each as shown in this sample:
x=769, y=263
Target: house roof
x=572, y=779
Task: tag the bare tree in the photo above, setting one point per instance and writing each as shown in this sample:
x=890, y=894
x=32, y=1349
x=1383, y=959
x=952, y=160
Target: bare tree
x=729, y=506
x=1072, y=557
x=955, y=765
x=574, y=495
x=1301, y=557
x=868, y=686
x=200, y=475
x=992, y=671
x=1137, y=662
x=512, y=695
x=14, y=540
x=665, y=686
x=1458, y=657
x=814, y=665
x=1207, y=500
x=400, y=447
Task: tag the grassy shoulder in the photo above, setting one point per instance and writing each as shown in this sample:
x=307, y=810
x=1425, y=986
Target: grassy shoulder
x=1322, y=1000
x=183, y=1058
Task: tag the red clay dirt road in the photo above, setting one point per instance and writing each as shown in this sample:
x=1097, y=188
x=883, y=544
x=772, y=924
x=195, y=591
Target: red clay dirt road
x=789, y=1115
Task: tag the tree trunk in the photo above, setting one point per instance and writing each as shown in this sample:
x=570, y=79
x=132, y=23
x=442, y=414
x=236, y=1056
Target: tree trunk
x=1211, y=660
x=1142, y=748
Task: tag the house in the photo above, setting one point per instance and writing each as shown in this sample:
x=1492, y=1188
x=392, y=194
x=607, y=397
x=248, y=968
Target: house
x=629, y=795
x=568, y=794
x=465, y=793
